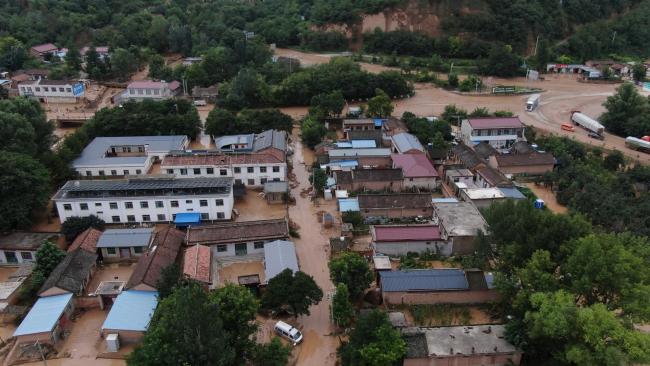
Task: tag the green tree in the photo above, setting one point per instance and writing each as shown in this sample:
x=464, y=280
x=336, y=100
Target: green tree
x=123, y=63
x=246, y=90
x=48, y=256
x=273, y=353
x=291, y=291
x=614, y=160
x=353, y=270
x=471, y=83
x=639, y=72
x=623, y=108
x=180, y=39
x=158, y=69
x=158, y=34
x=453, y=114
x=75, y=225
x=318, y=179
x=312, y=132
x=342, y=309
x=221, y=122
x=73, y=59
x=373, y=342
x=543, y=56
x=380, y=105
x=16, y=134
x=330, y=103
x=170, y=278
x=501, y=61
x=238, y=307
x=452, y=81
x=12, y=53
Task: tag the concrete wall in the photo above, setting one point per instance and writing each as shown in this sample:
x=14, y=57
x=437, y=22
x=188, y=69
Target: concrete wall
x=257, y=176
x=114, y=171
x=426, y=183
x=117, y=257
x=393, y=186
x=402, y=248
x=463, y=245
x=379, y=162
x=398, y=212
x=125, y=336
x=230, y=249
x=440, y=297
x=523, y=170
x=467, y=360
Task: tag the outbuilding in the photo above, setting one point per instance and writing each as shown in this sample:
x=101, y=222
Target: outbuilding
x=124, y=244
x=396, y=240
x=130, y=315
x=46, y=320
x=278, y=256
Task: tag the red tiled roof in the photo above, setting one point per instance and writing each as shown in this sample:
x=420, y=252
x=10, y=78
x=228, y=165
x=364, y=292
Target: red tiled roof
x=174, y=85
x=406, y=233
x=47, y=47
x=163, y=253
x=87, y=240
x=196, y=263
x=414, y=165
x=238, y=232
x=534, y=158
x=221, y=159
x=502, y=122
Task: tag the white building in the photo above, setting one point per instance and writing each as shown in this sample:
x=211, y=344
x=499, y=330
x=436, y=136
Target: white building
x=140, y=200
x=128, y=155
x=52, y=91
x=21, y=247
x=499, y=132
x=252, y=170
x=153, y=90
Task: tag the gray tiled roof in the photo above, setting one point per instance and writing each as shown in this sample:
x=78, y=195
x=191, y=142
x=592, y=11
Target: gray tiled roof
x=122, y=238
x=278, y=256
x=424, y=280
x=71, y=273
x=270, y=138
x=223, y=141
x=95, y=153
x=405, y=141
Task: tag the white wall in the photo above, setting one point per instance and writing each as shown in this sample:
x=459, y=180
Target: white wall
x=19, y=257
x=257, y=175
x=230, y=249
x=148, y=93
x=491, y=136
x=39, y=91
x=119, y=170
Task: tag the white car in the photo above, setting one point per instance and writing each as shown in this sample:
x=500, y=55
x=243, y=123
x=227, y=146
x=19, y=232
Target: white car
x=200, y=103
x=287, y=331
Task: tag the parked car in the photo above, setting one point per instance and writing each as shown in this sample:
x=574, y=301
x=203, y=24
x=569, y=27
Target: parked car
x=568, y=127
x=596, y=136
x=288, y=332
x=200, y=103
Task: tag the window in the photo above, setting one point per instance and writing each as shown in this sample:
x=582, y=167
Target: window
x=222, y=248
x=141, y=149
x=130, y=218
x=221, y=215
x=98, y=204
x=45, y=88
x=161, y=217
x=137, y=250
x=183, y=171
x=209, y=171
x=218, y=202
x=101, y=173
x=174, y=203
x=115, y=219
x=67, y=207
x=88, y=173
x=170, y=171
x=251, y=182
x=83, y=206
x=238, y=182
x=276, y=179
x=262, y=180
x=126, y=172
x=237, y=170
x=188, y=202
x=112, y=205
x=156, y=92
x=250, y=169
x=128, y=205
x=205, y=216
x=61, y=90
x=203, y=203
x=37, y=89
x=144, y=204
x=138, y=171
x=146, y=218
x=160, y=204
x=258, y=245
x=262, y=169
x=276, y=169
x=27, y=256
x=111, y=251
x=69, y=90
x=197, y=171
x=113, y=172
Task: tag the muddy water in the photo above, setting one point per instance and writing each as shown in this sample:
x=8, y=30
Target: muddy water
x=548, y=196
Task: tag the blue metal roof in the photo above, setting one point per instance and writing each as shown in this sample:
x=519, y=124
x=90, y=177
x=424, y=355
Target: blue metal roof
x=349, y=204
x=360, y=144
x=186, y=218
x=343, y=164
x=344, y=144
x=132, y=310
x=379, y=122
x=424, y=280
x=444, y=200
x=124, y=238
x=44, y=315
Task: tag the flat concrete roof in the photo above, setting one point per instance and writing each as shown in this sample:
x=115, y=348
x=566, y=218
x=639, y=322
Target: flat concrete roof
x=460, y=218
x=464, y=340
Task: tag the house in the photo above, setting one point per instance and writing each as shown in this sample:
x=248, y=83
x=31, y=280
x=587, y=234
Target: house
x=11, y=288
x=366, y=158
x=145, y=199
x=484, y=197
x=396, y=240
x=238, y=238
x=152, y=90
x=406, y=143
x=276, y=192
x=52, y=91
x=46, y=320
x=209, y=94
x=618, y=68
x=278, y=256
x=370, y=180
x=102, y=52
x=460, y=223
x=87, y=241
x=163, y=253
x=29, y=74
x=71, y=275
x=375, y=135
x=467, y=157
x=21, y=247
x=533, y=163
x=500, y=132
x=356, y=144
x=274, y=141
x=454, y=176
x=348, y=205
x=437, y=286
x=417, y=170
x=41, y=50
x=124, y=244
x=485, y=150
x=487, y=177
x=130, y=315
x=395, y=205
x=197, y=263
x=484, y=345
x=126, y=155
x=361, y=124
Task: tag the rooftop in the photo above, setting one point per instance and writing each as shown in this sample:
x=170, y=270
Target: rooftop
x=534, y=158
x=459, y=173
x=26, y=240
x=270, y=139
x=276, y=187
x=196, y=263
x=358, y=121
x=493, y=176
x=419, y=280
x=125, y=238
x=132, y=310
x=368, y=175
x=149, y=84
x=47, y=47
x=485, y=150
x=406, y=142
x=278, y=256
x=224, y=141
x=95, y=154
x=44, y=315
x=163, y=253
x=381, y=262
x=483, y=193
x=459, y=341
x=395, y=200
x=398, y=233
x=348, y=204
x=348, y=153
x=235, y=232
x=468, y=157
x=71, y=274
x=414, y=165
x=215, y=158
x=460, y=218
x=356, y=144
x=87, y=240
x=495, y=122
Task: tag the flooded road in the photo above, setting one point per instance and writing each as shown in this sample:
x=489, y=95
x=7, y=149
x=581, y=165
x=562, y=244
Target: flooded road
x=548, y=196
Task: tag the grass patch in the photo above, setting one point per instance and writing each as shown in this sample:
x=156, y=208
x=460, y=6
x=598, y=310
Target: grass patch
x=440, y=315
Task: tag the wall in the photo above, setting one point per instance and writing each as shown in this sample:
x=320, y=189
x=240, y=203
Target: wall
x=19, y=257
x=525, y=169
x=117, y=257
x=257, y=175
x=465, y=360
x=464, y=245
x=125, y=336
x=398, y=212
x=230, y=249
x=86, y=302
x=440, y=297
x=402, y=248
x=107, y=170
x=421, y=182
x=393, y=186
x=377, y=161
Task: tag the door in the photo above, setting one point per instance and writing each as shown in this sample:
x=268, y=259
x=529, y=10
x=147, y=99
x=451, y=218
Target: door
x=11, y=257
x=241, y=249
x=125, y=252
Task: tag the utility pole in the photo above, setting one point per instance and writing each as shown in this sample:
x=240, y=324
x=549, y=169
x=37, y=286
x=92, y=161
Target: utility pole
x=536, y=43
x=614, y=37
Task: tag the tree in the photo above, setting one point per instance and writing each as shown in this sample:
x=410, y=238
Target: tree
x=330, y=103
x=471, y=83
x=380, y=105
x=32, y=111
x=238, y=307
x=48, y=256
x=24, y=188
x=73, y=59
x=123, y=63
x=16, y=134
x=312, y=132
x=158, y=69
x=318, y=179
x=639, y=72
x=180, y=39
x=221, y=122
x=623, y=108
x=501, y=61
x=452, y=81
x=75, y=225
x=543, y=56
x=12, y=53
x=351, y=269
x=614, y=160
x=342, y=310
x=273, y=353
x=293, y=291
x=373, y=342
x=453, y=114
x=158, y=34
x=170, y=277
x=246, y=90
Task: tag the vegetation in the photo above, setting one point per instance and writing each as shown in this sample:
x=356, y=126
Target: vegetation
x=373, y=341
x=75, y=225
x=351, y=269
x=318, y=179
x=312, y=132
x=380, y=105
x=628, y=113
x=223, y=122
x=170, y=277
x=342, y=309
x=294, y=292
x=48, y=256
x=440, y=315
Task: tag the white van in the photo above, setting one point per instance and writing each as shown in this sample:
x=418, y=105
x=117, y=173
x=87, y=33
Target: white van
x=200, y=103
x=287, y=331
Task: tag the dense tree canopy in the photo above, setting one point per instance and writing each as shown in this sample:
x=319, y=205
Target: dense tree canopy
x=294, y=292
x=223, y=122
x=628, y=113
x=75, y=225
x=353, y=270
x=373, y=342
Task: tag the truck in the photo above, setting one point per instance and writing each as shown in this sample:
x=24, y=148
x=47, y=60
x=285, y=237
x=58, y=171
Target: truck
x=637, y=144
x=587, y=123
x=532, y=102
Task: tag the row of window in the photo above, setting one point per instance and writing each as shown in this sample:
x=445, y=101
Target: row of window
x=496, y=132
x=144, y=91
x=46, y=89
x=162, y=217
x=143, y=204
x=224, y=247
x=12, y=258
x=223, y=172
x=113, y=251
x=113, y=172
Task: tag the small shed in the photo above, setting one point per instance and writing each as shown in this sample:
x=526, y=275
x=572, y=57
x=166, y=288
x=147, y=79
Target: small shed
x=124, y=244
x=46, y=320
x=185, y=219
x=348, y=205
x=130, y=315
x=278, y=256
x=276, y=192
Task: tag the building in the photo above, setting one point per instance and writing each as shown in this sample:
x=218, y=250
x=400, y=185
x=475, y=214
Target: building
x=87, y=241
x=460, y=223
x=395, y=205
x=484, y=197
x=375, y=135
x=41, y=50
x=437, y=286
x=71, y=275
x=500, y=132
x=370, y=180
x=151, y=90
x=278, y=256
x=467, y=157
x=130, y=315
x=455, y=176
x=362, y=124
x=406, y=143
x=163, y=253
x=484, y=345
x=487, y=177
x=150, y=199
x=276, y=192
x=46, y=320
x=208, y=94
x=21, y=247
x=52, y=91
x=11, y=288
x=102, y=52
x=356, y=144
x=271, y=140
x=396, y=240
x=189, y=61
x=366, y=158
x=238, y=238
x=533, y=163
x=124, y=244
x=197, y=263
x=417, y=170
x=127, y=155
x=249, y=169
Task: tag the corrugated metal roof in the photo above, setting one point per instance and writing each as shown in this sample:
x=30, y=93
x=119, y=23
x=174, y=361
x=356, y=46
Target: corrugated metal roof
x=132, y=310
x=349, y=204
x=120, y=238
x=95, y=153
x=414, y=165
x=513, y=193
x=44, y=315
x=424, y=280
x=347, y=153
x=406, y=233
x=278, y=256
x=405, y=141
